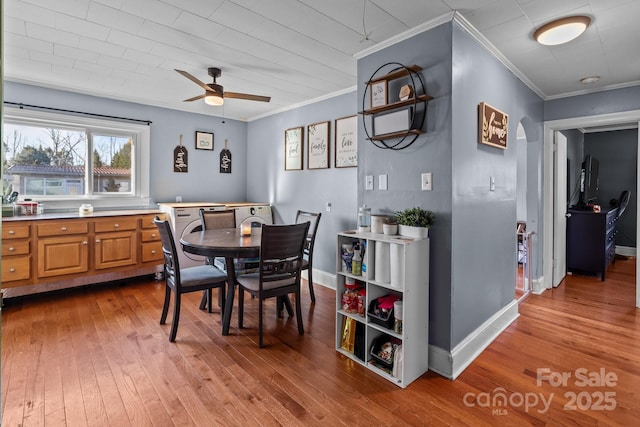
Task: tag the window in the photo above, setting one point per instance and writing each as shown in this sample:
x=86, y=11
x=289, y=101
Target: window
x=59, y=159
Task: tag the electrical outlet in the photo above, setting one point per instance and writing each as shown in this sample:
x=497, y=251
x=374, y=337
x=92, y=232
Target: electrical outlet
x=328, y=207
x=178, y=199
x=492, y=183
x=368, y=182
x=426, y=181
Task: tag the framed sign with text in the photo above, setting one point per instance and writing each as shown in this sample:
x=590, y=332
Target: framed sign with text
x=293, y=142
x=318, y=146
x=493, y=125
x=346, y=142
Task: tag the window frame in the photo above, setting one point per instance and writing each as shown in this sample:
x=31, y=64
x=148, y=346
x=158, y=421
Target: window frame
x=141, y=156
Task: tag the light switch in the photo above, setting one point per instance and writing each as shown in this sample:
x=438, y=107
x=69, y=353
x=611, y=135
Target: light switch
x=368, y=182
x=382, y=182
x=492, y=183
x=328, y=207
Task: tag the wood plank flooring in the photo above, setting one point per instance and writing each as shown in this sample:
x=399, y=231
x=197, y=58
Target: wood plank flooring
x=97, y=356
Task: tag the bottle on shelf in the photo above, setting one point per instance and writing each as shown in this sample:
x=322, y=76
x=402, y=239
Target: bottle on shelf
x=356, y=262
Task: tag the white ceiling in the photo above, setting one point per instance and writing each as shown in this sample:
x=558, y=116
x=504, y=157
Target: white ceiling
x=292, y=50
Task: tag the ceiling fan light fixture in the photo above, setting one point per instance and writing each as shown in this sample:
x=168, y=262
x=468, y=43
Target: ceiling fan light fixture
x=214, y=99
x=561, y=30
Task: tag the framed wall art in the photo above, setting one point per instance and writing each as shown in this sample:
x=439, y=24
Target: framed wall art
x=204, y=140
x=293, y=144
x=318, y=145
x=346, y=142
x=493, y=125
x=379, y=95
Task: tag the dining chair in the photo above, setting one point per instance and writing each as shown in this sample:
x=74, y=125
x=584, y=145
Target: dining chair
x=281, y=254
x=183, y=280
x=213, y=220
x=307, y=264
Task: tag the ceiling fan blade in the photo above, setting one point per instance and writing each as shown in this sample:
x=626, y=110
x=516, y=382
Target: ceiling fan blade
x=193, y=79
x=195, y=98
x=247, y=96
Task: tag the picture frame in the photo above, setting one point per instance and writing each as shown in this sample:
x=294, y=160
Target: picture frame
x=318, y=145
x=293, y=146
x=204, y=140
x=379, y=95
x=346, y=142
x=493, y=126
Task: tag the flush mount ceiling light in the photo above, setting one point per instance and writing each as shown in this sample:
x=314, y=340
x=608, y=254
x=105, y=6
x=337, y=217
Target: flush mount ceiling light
x=561, y=30
x=590, y=79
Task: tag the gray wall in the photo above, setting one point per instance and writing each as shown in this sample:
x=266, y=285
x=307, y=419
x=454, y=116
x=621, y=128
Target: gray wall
x=431, y=152
x=617, y=152
x=473, y=242
x=304, y=189
x=483, y=221
x=203, y=182
x=612, y=101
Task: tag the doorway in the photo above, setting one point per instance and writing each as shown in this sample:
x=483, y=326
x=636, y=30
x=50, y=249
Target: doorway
x=524, y=252
x=551, y=128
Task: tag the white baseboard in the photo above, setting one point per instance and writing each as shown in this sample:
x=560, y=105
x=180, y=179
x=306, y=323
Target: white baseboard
x=625, y=251
x=450, y=365
x=321, y=278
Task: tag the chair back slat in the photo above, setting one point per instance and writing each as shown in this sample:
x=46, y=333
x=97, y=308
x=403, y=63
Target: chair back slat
x=314, y=220
x=281, y=251
x=171, y=264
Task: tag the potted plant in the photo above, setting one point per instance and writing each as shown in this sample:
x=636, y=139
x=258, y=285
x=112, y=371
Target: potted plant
x=414, y=222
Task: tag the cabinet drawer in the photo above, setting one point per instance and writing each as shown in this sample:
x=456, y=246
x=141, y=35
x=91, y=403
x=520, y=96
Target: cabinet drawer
x=15, y=231
x=61, y=228
x=20, y=247
x=147, y=221
x=150, y=235
x=16, y=268
x=116, y=224
x=152, y=252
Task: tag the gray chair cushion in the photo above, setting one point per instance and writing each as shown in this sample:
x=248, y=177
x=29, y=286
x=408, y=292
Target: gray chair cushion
x=201, y=274
x=252, y=282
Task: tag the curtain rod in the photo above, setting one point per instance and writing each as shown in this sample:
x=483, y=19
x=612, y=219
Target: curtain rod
x=21, y=106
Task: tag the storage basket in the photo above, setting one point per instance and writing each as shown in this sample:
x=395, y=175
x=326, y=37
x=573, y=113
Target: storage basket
x=377, y=316
x=384, y=348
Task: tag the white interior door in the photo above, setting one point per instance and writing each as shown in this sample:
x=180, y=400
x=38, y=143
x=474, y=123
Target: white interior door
x=560, y=209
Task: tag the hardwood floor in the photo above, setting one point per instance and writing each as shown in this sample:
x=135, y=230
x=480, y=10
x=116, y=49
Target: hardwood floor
x=97, y=356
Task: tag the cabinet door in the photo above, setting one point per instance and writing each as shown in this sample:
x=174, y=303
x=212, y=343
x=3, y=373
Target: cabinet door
x=58, y=256
x=116, y=249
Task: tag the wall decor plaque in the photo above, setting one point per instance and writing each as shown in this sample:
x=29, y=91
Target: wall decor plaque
x=318, y=145
x=493, y=125
x=293, y=144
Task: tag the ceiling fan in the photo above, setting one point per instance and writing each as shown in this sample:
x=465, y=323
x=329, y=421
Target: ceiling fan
x=214, y=93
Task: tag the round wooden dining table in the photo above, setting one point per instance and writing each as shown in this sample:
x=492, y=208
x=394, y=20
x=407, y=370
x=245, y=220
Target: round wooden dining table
x=227, y=243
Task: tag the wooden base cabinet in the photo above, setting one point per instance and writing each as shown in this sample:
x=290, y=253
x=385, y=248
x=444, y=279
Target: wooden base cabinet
x=47, y=253
x=396, y=267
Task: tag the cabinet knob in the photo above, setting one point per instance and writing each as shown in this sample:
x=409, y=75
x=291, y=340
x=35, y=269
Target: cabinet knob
x=63, y=229
x=11, y=249
x=97, y=240
x=12, y=270
x=84, y=242
x=153, y=252
x=153, y=235
x=12, y=232
x=116, y=225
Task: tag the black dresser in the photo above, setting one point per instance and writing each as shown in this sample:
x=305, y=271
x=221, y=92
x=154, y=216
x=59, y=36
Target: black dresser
x=590, y=240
